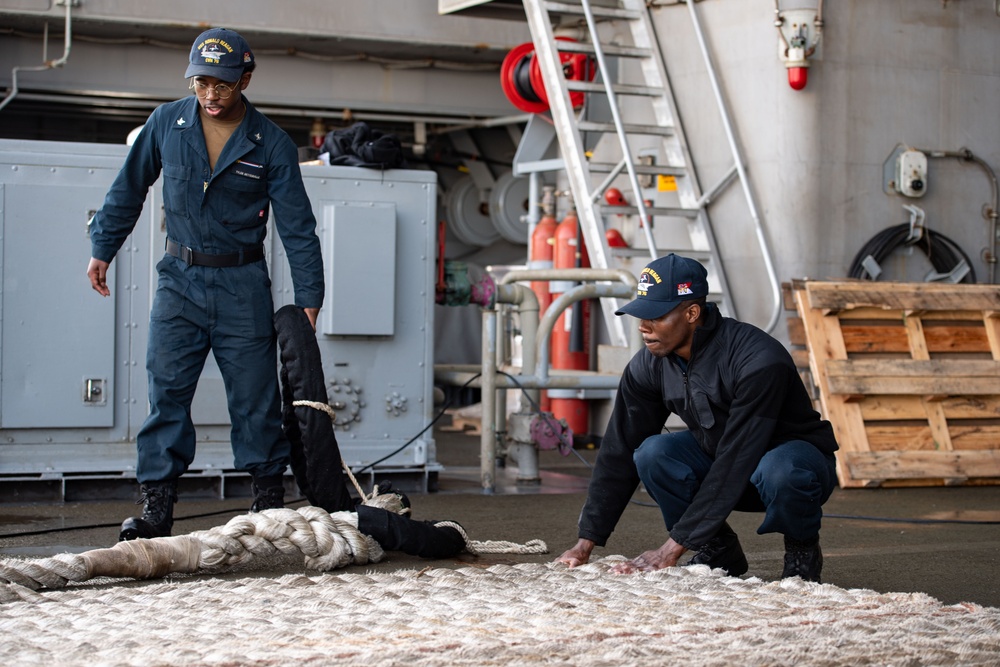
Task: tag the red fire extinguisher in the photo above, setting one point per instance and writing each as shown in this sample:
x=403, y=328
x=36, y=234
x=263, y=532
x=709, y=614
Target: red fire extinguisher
x=571, y=335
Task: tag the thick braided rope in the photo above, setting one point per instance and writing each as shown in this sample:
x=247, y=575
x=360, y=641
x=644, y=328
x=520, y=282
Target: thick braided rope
x=53, y=572
x=325, y=542
x=472, y=546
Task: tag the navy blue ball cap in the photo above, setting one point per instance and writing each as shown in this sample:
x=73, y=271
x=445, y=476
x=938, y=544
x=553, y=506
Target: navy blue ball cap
x=219, y=53
x=664, y=283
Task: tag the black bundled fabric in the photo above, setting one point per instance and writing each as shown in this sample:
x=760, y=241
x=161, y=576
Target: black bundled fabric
x=361, y=146
x=395, y=532
x=316, y=461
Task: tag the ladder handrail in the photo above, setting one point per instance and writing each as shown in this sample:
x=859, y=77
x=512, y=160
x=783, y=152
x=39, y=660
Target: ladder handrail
x=738, y=159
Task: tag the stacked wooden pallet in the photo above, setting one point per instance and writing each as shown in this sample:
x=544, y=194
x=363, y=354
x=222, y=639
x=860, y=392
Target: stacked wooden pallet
x=909, y=376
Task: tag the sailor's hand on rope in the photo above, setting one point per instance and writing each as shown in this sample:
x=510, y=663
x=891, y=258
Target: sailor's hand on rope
x=578, y=555
x=657, y=559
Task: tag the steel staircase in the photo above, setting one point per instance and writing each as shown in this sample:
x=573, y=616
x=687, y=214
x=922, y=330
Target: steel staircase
x=630, y=115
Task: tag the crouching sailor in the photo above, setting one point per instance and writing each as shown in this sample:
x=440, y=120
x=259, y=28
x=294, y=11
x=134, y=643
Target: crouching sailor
x=754, y=442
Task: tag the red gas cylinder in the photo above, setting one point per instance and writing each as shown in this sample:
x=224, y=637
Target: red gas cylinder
x=614, y=197
x=571, y=334
x=542, y=249
x=615, y=238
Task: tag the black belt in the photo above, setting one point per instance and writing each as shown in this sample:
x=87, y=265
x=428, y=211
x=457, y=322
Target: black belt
x=193, y=257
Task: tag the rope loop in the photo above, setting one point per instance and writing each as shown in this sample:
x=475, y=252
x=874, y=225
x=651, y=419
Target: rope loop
x=365, y=498
x=476, y=547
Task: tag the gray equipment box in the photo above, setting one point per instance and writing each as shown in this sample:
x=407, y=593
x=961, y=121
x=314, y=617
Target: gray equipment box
x=72, y=364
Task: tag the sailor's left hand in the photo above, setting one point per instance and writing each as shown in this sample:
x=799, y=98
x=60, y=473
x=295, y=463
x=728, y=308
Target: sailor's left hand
x=312, y=314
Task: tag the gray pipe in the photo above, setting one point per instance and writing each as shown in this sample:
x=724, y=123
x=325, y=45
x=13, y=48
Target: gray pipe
x=574, y=275
x=566, y=299
x=68, y=40
x=490, y=381
x=487, y=439
x=527, y=305
x=458, y=375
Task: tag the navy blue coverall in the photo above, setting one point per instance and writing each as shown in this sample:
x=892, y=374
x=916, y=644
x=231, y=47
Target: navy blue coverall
x=227, y=310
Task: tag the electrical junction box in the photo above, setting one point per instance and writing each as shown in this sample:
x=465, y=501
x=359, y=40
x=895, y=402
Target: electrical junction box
x=799, y=35
x=72, y=371
x=911, y=173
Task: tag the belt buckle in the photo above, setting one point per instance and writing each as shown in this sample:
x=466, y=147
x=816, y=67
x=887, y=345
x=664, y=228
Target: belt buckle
x=187, y=255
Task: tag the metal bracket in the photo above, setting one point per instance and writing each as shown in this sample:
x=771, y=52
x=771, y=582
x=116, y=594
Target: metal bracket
x=872, y=267
x=956, y=275
x=917, y=216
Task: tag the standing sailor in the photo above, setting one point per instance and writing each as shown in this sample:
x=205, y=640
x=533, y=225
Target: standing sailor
x=224, y=166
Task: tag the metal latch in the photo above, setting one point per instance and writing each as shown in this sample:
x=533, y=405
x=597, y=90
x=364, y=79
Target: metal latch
x=94, y=391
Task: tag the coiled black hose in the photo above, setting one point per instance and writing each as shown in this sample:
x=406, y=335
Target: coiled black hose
x=943, y=253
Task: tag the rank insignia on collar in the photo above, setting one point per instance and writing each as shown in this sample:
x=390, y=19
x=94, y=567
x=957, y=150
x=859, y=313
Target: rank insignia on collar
x=258, y=136
x=181, y=121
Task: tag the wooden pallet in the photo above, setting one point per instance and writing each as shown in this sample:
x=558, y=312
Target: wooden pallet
x=909, y=376
x=468, y=419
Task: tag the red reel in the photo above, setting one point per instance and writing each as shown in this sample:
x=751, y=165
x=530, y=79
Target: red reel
x=576, y=67
x=521, y=77
x=515, y=79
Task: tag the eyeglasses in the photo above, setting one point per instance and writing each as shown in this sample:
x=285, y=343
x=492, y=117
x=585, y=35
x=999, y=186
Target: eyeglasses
x=223, y=90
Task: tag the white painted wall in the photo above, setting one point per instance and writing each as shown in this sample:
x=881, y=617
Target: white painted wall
x=921, y=72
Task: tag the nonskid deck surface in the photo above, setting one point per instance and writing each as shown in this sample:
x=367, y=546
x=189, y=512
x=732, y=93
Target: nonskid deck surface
x=942, y=541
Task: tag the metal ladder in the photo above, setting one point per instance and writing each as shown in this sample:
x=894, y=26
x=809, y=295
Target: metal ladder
x=655, y=95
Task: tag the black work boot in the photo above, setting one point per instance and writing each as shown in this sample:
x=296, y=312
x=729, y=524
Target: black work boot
x=803, y=558
x=268, y=493
x=395, y=532
x=723, y=551
x=157, y=518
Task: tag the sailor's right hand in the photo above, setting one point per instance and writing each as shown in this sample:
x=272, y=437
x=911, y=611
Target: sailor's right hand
x=578, y=554
x=97, y=271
